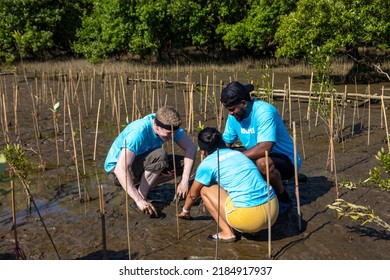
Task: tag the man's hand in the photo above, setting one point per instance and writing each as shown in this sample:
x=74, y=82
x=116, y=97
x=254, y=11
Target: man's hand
x=182, y=190
x=146, y=207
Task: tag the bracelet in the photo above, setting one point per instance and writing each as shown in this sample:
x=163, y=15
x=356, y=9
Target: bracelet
x=185, y=211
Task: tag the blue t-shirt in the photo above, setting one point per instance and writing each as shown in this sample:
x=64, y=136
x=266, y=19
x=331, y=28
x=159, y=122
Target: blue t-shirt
x=238, y=176
x=263, y=124
x=138, y=137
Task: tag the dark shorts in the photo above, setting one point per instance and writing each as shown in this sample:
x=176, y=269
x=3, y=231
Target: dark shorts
x=153, y=161
x=284, y=165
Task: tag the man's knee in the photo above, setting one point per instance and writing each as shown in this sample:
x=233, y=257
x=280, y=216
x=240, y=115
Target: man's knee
x=262, y=165
x=156, y=160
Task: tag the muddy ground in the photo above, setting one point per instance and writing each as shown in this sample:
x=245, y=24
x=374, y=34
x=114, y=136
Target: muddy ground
x=75, y=228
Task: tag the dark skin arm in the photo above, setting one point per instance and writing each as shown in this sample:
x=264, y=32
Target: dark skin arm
x=258, y=151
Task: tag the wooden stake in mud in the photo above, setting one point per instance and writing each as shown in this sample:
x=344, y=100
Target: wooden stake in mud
x=385, y=119
x=353, y=117
x=219, y=204
x=175, y=182
x=369, y=115
x=81, y=138
x=284, y=101
x=19, y=253
x=55, y=123
x=5, y=126
x=269, y=205
x=301, y=128
x=74, y=152
x=16, y=102
x=332, y=153
x=296, y=179
x=382, y=113
x=289, y=100
x=206, y=98
x=122, y=84
x=103, y=218
x=96, y=130
x=127, y=209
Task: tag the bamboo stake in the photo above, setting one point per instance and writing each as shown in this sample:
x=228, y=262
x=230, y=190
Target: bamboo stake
x=74, y=152
x=356, y=98
x=55, y=124
x=64, y=113
x=104, y=95
x=96, y=130
x=309, y=102
x=93, y=89
x=205, y=98
x=5, y=127
x=177, y=78
x=331, y=134
x=37, y=133
x=16, y=102
x=284, y=101
x=382, y=113
x=84, y=93
x=353, y=117
x=289, y=100
x=124, y=99
x=103, y=218
x=269, y=205
x=385, y=119
x=218, y=204
x=369, y=115
x=127, y=208
x=344, y=102
x=219, y=115
x=296, y=179
x=19, y=253
x=81, y=138
x=175, y=182
x=301, y=129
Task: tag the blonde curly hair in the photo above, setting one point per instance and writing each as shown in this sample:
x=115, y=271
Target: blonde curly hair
x=168, y=116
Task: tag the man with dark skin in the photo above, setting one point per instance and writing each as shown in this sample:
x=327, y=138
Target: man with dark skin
x=259, y=127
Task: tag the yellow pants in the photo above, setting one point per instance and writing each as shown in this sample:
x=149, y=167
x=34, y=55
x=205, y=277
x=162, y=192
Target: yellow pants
x=251, y=219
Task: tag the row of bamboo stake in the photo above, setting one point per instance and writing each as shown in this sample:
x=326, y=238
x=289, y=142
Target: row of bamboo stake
x=146, y=95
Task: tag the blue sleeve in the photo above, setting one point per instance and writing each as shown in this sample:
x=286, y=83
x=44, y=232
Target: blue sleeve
x=229, y=135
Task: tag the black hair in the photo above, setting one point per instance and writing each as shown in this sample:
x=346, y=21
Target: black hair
x=210, y=139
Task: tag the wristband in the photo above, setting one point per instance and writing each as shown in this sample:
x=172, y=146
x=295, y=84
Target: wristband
x=185, y=211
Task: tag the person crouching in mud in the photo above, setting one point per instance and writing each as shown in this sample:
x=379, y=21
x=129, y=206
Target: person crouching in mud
x=136, y=157
x=243, y=191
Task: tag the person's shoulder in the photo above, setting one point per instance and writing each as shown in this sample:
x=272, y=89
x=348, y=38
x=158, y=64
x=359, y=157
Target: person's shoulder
x=259, y=105
x=141, y=124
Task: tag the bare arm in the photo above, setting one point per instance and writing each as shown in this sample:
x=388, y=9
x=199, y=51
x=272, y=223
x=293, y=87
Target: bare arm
x=125, y=160
x=190, y=199
x=189, y=148
x=258, y=151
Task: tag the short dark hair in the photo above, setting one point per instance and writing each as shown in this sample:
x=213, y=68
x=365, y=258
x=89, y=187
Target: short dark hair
x=210, y=139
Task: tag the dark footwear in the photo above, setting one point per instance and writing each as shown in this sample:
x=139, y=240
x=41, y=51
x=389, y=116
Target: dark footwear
x=284, y=207
x=302, y=178
x=215, y=237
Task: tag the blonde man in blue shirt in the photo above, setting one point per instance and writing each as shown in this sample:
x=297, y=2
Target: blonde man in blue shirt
x=137, y=156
